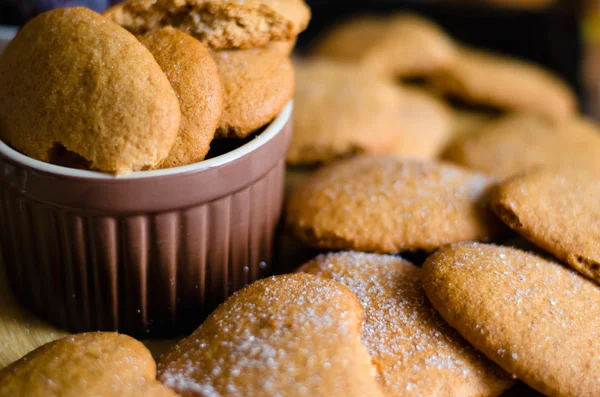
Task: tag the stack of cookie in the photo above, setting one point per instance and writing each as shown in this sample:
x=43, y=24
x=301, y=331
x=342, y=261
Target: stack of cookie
x=79, y=90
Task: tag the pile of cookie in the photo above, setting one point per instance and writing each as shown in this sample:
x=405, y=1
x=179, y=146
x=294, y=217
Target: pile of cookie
x=470, y=322
x=79, y=90
x=502, y=284
x=400, y=85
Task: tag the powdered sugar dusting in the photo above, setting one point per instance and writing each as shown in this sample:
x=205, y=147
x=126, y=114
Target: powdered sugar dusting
x=539, y=320
x=387, y=204
x=416, y=352
x=287, y=335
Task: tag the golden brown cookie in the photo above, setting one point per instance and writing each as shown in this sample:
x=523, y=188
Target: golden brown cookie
x=195, y=79
x=558, y=211
x=73, y=79
x=415, y=351
x=341, y=109
x=402, y=45
x=290, y=335
x=387, y=204
x=507, y=84
x=93, y=364
x=532, y=316
x=257, y=85
x=426, y=125
x=519, y=141
x=20, y=331
x=219, y=24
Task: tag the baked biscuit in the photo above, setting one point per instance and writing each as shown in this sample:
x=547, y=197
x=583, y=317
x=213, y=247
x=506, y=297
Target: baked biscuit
x=557, y=211
x=290, y=335
x=426, y=125
x=505, y=83
x=219, y=24
x=416, y=352
x=529, y=314
x=520, y=141
x=195, y=79
x=341, y=109
x=73, y=79
x=402, y=45
x=257, y=83
x=387, y=204
x=92, y=364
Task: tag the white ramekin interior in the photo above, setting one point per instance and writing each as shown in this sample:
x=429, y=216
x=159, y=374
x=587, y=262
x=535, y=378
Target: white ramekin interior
x=275, y=127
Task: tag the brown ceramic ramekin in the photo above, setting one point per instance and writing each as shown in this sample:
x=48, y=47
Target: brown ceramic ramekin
x=150, y=252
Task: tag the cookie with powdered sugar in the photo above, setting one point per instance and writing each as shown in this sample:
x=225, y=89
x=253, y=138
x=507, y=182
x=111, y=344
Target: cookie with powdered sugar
x=556, y=210
x=291, y=335
x=388, y=204
x=415, y=351
x=532, y=316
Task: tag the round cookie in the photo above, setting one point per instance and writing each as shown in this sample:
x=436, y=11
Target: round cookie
x=289, y=335
x=195, y=79
x=402, y=45
x=93, y=364
x=520, y=141
x=387, y=204
x=220, y=24
x=20, y=331
x=257, y=84
x=72, y=79
x=426, y=125
x=416, y=352
x=532, y=316
x=505, y=83
x=341, y=109
x=557, y=211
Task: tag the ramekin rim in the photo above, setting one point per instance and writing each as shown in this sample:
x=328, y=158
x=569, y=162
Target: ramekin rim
x=275, y=127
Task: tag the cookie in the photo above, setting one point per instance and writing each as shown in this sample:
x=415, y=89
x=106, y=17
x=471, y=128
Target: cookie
x=520, y=141
x=529, y=314
x=506, y=84
x=20, y=331
x=388, y=204
x=426, y=125
x=405, y=45
x=289, y=335
x=557, y=211
x=341, y=109
x=72, y=79
x=220, y=24
x=416, y=352
x=257, y=84
x=92, y=364
x=195, y=79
